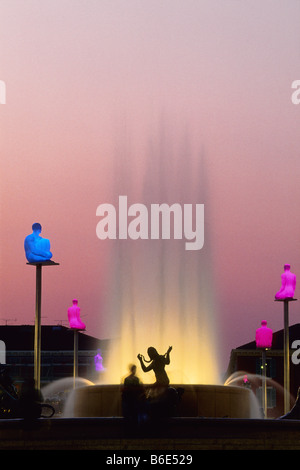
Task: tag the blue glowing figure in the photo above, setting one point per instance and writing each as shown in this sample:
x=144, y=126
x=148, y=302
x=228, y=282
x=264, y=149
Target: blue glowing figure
x=36, y=247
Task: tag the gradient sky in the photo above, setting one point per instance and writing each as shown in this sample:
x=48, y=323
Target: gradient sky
x=91, y=85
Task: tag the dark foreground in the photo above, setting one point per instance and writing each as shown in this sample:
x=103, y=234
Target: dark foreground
x=175, y=434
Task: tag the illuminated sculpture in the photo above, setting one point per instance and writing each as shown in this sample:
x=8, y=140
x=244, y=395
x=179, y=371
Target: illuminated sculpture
x=264, y=336
x=246, y=381
x=36, y=247
x=288, y=284
x=74, y=317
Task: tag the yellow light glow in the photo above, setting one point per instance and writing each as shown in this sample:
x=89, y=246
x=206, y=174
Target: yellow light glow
x=193, y=357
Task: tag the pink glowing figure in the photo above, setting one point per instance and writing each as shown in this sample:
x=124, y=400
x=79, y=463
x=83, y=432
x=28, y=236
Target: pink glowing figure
x=288, y=284
x=74, y=317
x=264, y=336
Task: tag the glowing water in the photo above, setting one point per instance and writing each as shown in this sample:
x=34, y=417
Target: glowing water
x=59, y=393
x=158, y=293
x=236, y=379
x=62, y=385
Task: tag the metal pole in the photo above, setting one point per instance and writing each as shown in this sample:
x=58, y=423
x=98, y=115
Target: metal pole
x=37, y=327
x=75, y=370
x=286, y=358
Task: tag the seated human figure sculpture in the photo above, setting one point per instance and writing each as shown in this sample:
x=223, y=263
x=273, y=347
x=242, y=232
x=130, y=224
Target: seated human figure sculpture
x=264, y=336
x=294, y=413
x=36, y=247
x=288, y=284
x=74, y=317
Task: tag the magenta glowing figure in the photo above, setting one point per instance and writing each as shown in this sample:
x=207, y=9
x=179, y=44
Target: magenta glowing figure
x=74, y=317
x=288, y=284
x=36, y=247
x=264, y=336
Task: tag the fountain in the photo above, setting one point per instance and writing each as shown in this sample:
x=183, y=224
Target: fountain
x=158, y=292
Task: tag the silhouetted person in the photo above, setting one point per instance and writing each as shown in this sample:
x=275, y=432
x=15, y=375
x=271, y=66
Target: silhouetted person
x=36, y=247
x=158, y=363
x=288, y=284
x=132, y=380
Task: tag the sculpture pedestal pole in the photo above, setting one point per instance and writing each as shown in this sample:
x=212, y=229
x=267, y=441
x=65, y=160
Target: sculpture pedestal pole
x=286, y=348
x=75, y=369
x=75, y=365
x=37, y=324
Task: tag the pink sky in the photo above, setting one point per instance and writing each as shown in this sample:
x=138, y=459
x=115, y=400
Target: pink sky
x=91, y=86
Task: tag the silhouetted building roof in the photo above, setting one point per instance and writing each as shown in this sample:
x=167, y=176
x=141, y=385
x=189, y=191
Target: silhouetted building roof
x=53, y=338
